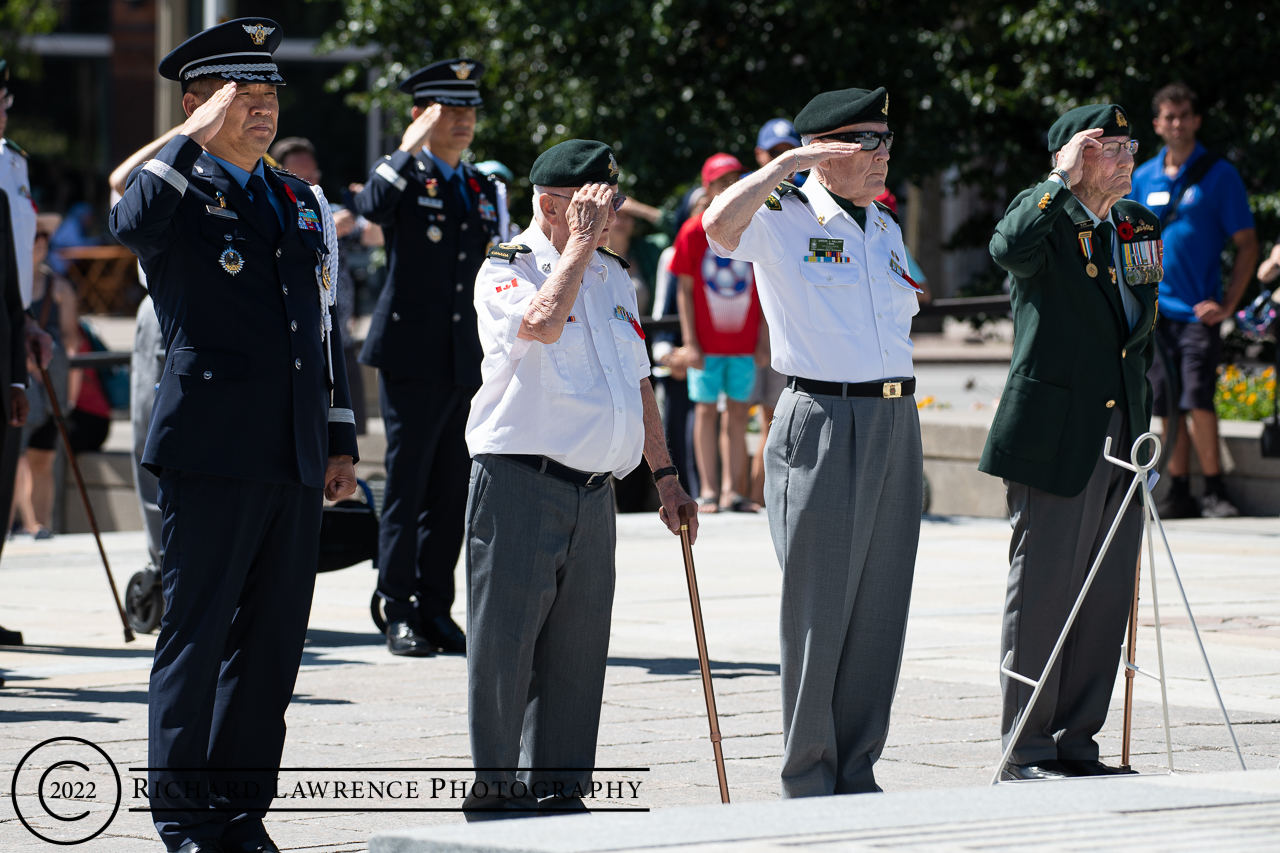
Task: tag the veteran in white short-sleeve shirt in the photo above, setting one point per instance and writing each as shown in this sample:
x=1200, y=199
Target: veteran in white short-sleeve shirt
x=566, y=404
x=843, y=465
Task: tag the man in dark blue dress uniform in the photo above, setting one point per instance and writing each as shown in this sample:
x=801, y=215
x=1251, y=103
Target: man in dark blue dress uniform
x=440, y=216
x=251, y=425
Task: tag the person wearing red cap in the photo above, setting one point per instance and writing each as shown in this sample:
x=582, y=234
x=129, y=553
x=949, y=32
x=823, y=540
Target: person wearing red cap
x=724, y=339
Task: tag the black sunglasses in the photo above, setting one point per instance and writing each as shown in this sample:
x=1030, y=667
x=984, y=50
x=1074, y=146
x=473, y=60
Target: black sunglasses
x=868, y=139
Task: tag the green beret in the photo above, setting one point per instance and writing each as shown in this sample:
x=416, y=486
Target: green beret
x=832, y=110
x=574, y=164
x=1110, y=117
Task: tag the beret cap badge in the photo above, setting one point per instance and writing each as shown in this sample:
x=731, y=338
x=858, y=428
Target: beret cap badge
x=886, y=104
x=258, y=33
x=1120, y=120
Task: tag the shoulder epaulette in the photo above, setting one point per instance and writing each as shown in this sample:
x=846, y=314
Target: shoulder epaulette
x=774, y=201
x=281, y=170
x=887, y=209
x=16, y=147
x=605, y=250
x=507, y=251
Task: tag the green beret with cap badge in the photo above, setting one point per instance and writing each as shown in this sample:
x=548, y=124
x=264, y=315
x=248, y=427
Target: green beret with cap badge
x=574, y=164
x=832, y=110
x=1110, y=117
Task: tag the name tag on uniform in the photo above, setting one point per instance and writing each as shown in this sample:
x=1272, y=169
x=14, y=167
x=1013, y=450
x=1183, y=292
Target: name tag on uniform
x=1157, y=199
x=826, y=250
x=225, y=213
x=424, y=201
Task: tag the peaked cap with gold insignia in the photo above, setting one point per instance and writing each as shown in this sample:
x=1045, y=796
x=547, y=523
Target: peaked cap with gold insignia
x=452, y=82
x=841, y=108
x=238, y=50
x=1110, y=117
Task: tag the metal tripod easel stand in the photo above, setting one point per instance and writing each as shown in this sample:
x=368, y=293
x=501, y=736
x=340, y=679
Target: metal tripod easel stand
x=1141, y=478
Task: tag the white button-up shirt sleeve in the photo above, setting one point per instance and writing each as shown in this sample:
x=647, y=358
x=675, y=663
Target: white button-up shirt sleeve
x=576, y=400
x=838, y=304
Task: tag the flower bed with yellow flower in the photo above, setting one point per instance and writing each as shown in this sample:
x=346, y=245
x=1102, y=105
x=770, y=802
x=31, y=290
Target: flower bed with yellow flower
x=1245, y=395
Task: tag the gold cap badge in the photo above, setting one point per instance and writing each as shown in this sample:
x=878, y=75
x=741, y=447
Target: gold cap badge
x=258, y=33
x=1120, y=119
x=613, y=166
x=886, y=104
x=462, y=69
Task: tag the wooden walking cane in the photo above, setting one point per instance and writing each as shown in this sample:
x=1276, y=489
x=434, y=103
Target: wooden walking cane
x=1131, y=656
x=703, y=662
x=84, y=497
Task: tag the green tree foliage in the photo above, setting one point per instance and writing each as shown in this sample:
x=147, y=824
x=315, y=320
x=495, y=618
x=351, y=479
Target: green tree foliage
x=974, y=85
x=20, y=18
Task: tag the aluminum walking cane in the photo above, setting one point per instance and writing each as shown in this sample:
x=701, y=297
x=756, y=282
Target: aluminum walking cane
x=703, y=662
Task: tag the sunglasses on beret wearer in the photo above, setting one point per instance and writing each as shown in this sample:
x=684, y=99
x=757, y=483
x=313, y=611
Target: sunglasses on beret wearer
x=868, y=139
x=618, y=200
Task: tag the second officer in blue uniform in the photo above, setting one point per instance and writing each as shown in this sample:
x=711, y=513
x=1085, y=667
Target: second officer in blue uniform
x=251, y=425
x=440, y=216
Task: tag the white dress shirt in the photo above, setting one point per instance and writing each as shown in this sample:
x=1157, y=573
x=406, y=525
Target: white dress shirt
x=15, y=182
x=843, y=321
x=576, y=401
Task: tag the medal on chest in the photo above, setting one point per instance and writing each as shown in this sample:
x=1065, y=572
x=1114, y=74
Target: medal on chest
x=826, y=250
x=488, y=211
x=1143, y=259
x=1086, y=249
x=432, y=186
x=231, y=260
x=434, y=234
x=308, y=220
x=623, y=314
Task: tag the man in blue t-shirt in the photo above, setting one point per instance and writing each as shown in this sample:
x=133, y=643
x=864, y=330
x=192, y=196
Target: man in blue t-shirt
x=1192, y=305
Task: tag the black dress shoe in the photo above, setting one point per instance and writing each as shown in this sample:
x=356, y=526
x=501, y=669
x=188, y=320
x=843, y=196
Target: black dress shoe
x=208, y=845
x=402, y=639
x=444, y=634
x=10, y=638
x=1094, y=768
x=1050, y=768
x=261, y=844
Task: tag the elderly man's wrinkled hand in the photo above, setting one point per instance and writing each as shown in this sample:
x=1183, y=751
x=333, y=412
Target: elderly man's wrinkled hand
x=588, y=211
x=39, y=344
x=673, y=497
x=808, y=156
x=1071, y=157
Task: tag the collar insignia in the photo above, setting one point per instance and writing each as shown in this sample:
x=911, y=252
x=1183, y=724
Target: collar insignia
x=462, y=69
x=258, y=33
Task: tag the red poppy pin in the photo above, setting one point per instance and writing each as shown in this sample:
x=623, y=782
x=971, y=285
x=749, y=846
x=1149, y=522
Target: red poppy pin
x=289, y=192
x=1125, y=230
x=475, y=188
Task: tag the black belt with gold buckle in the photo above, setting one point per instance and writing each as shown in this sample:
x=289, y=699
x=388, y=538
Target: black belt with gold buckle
x=543, y=465
x=885, y=389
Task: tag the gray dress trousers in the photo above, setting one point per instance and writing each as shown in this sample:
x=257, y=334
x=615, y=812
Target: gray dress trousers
x=540, y=578
x=1055, y=541
x=843, y=488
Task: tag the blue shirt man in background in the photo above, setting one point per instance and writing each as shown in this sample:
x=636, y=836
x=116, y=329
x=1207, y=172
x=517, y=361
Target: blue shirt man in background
x=1198, y=218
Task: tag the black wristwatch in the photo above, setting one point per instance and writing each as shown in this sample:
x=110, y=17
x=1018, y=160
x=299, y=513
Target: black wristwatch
x=669, y=471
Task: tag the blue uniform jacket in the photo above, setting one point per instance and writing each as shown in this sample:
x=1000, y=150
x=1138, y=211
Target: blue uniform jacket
x=245, y=391
x=425, y=322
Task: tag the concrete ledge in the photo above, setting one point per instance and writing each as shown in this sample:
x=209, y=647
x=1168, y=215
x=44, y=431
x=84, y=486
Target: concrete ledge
x=1218, y=811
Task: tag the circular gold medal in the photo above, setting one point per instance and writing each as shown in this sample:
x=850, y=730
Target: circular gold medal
x=434, y=233
x=1091, y=269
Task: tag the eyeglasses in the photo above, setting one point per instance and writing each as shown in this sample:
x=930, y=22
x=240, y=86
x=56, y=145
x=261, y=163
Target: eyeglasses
x=868, y=139
x=618, y=200
x=1112, y=149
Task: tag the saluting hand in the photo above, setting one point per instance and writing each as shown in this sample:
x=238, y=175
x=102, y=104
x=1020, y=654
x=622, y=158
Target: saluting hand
x=808, y=156
x=415, y=135
x=588, y=212
x=1071, y=157
x=204, y=124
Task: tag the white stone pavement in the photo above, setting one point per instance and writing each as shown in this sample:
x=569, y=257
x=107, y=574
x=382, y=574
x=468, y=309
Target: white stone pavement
x=357, y=707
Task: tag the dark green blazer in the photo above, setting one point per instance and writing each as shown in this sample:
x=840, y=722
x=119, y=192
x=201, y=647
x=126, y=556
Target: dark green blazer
x=1074, y=355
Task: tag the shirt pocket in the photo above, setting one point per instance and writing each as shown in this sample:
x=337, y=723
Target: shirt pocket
x=566, y=368
x=832, y=292
x=904, y=299
x=631, y=351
